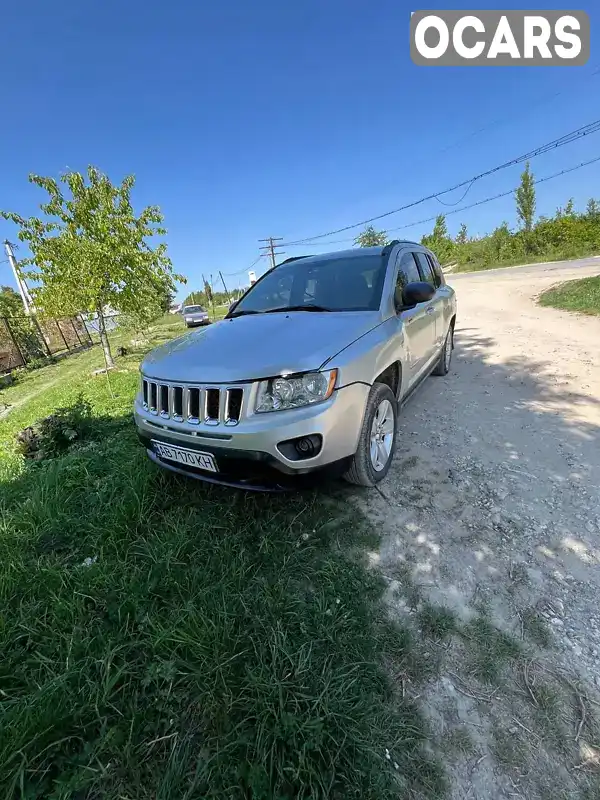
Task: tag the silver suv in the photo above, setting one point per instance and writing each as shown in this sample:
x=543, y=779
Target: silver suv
x=306, y=373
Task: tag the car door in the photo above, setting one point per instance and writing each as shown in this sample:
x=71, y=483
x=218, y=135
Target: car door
x=417, y=322
x=428, y=275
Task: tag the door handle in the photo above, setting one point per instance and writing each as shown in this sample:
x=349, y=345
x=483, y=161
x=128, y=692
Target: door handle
x=431, y=310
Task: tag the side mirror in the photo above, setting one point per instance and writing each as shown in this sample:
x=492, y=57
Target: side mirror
x=417, y=292
x=232, y=306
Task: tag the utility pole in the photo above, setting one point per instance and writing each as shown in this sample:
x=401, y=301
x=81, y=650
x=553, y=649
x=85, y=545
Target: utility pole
x=223, y=282
x=21, y=285
x=271, y=248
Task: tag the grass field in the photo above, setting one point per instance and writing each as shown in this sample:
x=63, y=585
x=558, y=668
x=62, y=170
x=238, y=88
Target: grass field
x=523, y=259
x=164, y=640
x=582, y=296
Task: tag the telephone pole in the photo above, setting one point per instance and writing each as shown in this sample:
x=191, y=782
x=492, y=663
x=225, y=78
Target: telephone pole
x=271, y=248
x=21, y=285
x=223, y=282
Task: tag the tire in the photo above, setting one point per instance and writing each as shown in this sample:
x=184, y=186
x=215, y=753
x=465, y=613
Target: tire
x=442, y=366
x=362, y=470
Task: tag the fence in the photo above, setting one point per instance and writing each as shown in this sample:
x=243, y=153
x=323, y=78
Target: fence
x=24, y=339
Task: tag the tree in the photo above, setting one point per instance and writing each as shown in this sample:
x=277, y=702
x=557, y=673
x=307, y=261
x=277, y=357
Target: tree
x=371, y=238
x=440, y=229
x=593, y=208
x=570, y=208
x=462, y=237
x=525, y=198
x=11, y=304
x=91, y=252
x=439, y=241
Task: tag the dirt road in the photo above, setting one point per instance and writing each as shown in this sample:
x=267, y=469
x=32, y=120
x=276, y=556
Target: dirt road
x=492, y=510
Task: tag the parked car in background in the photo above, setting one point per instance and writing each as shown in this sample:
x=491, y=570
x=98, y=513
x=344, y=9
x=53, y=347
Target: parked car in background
x=305, y=375
x=195, y=316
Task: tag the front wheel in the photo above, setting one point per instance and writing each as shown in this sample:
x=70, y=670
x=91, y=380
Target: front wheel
x=377, y=440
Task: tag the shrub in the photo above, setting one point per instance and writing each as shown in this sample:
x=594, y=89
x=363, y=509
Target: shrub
x=54, y=434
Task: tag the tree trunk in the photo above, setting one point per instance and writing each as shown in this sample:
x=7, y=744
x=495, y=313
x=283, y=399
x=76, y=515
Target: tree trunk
x=104, y=340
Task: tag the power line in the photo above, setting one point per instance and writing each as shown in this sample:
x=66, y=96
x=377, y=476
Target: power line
x=502, y=120
x=479, y=202
x=572, y=136
x=495, y=123
x=246, y=269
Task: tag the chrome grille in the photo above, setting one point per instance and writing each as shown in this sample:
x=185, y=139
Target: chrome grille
x=196, y=405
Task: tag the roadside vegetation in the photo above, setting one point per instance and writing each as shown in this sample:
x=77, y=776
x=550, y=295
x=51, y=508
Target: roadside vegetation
x=162, y=639
x=582, y=296
x=569, y=233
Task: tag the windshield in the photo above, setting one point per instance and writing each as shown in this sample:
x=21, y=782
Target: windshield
x=351, y=283
x=193, y=310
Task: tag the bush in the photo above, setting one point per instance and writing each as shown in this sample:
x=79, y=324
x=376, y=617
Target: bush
x=54, y=435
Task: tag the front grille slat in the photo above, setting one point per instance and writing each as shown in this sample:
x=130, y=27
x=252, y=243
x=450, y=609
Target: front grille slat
x=213, y=402
x=233, y=406
x=177, y=403
x=153, y=401
x=193, y=405
x=163, y=400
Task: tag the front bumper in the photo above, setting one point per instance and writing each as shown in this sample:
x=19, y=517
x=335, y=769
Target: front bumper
x=249, y=452
x=197, y=323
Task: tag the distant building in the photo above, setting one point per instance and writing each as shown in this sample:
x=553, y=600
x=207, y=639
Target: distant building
x=252, y=276
x=175, y=308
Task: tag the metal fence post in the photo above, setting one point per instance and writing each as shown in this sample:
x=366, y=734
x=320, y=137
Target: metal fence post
x=75, y=331
x=14, y=339
x=42, y=337
x=62, y=336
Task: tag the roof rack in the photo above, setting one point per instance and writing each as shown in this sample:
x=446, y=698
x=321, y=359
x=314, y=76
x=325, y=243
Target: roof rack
x=389, y=247
x=292, y=258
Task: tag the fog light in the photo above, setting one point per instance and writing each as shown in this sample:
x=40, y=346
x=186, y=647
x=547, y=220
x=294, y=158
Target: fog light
x=302, y=448
x=305, y=447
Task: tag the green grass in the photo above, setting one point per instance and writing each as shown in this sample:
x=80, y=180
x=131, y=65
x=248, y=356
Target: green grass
x=582, y=296
x=436, y=621
x=558, y=254
x=458, y=743
x=490, y=649
x=165, y=640
x=536, y=628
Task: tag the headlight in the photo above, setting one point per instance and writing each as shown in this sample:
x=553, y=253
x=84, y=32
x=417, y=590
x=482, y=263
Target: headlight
x=294, y=391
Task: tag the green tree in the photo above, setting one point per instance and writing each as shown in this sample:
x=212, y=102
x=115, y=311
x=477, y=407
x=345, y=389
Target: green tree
x=462, y=236
x=440, y=229
x=21, y=326
x=525, y=198
x=439, y=241
x=593, y=208
x=501, y=242
x=371, y=238
x=91, y=252
x=11, y=304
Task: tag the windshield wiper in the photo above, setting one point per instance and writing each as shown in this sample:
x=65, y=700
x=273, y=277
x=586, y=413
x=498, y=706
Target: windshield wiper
x=242, y=313
x=307, y=307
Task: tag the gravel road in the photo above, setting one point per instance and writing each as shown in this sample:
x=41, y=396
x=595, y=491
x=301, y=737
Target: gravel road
x=492, y=509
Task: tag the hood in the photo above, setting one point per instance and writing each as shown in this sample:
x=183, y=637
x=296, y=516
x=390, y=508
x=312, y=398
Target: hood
x=258, y=346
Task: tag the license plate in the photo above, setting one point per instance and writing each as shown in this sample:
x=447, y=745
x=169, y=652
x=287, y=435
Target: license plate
x=191, y=458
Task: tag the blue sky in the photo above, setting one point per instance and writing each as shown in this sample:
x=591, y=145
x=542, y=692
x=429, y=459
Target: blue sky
x=245, y=120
